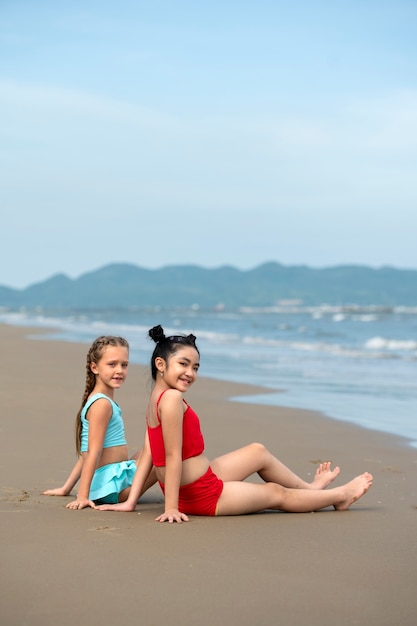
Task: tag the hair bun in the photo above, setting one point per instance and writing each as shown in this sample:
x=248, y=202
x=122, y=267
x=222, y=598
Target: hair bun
x=157, y=333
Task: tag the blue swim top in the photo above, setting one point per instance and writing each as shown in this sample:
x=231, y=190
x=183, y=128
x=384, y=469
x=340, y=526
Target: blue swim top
x=115, y=433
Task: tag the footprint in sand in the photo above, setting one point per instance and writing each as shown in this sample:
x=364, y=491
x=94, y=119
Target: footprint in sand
x=391, y=468
x=104, y=528
x=10, y=495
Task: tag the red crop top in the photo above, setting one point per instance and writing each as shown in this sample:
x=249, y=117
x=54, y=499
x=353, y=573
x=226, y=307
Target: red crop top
x=192, y=438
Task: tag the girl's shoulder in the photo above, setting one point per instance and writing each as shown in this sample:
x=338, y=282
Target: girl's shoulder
x=171, y=399
x=97, y=396
x=169, y=394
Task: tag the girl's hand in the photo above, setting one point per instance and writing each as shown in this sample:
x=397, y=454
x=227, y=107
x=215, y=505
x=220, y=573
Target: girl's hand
x=80, y=503
x=171, y=516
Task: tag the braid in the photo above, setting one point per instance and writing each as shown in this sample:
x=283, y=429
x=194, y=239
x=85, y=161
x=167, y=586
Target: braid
x=94, y=355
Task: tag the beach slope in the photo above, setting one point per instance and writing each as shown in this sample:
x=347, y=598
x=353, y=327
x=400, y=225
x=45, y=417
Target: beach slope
x=75, y=567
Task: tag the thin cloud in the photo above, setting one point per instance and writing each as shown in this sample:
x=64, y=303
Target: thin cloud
x=77, y=102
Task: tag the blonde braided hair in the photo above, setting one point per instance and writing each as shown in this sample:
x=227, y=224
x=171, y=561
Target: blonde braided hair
x=94, y=355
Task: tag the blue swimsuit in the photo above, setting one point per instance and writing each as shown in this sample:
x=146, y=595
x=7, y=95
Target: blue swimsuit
x=108, y=480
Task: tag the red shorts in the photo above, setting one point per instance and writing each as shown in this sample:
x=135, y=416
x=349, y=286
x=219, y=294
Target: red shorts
x=201, y=496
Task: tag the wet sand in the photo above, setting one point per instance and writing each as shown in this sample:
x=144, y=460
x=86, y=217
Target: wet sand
x=76, y=567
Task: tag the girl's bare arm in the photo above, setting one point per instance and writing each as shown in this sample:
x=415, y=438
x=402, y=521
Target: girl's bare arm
x=70, y=482
x=172, y=414
x=99, y=416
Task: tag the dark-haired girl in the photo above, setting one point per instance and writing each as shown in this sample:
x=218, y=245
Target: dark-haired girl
x=192, y=484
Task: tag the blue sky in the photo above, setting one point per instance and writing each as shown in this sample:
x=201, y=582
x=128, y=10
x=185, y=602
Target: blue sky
x=212, y=133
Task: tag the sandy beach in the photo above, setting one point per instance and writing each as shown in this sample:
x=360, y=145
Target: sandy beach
x=76, y=567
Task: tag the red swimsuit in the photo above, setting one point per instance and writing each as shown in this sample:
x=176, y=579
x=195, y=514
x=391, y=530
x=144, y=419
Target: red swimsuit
x=192, y=439
x=201, y=496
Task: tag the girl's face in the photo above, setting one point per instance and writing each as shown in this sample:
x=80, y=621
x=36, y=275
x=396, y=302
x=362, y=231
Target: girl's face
x=180, y=371
x=111, y=369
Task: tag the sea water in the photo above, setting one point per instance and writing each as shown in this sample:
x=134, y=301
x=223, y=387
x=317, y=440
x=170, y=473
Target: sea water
x=352, y=363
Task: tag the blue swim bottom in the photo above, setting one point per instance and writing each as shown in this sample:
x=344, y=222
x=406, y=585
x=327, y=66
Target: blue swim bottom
x=109, y=480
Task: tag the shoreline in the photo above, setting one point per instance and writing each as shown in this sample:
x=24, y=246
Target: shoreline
x=61, y=566
x=246, y=393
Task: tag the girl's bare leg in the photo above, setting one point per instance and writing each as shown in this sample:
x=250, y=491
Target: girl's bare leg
x=239, y=498
x=256, y=459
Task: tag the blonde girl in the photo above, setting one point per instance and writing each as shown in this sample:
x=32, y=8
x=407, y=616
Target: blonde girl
x=103, y=468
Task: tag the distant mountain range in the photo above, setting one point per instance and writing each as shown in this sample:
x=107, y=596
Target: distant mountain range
x=124, y=285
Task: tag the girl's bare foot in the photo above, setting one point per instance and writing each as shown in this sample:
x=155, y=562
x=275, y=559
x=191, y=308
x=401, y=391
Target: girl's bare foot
x=121, y=506
x=324, y=475
x=354, y=490
x=58, y=491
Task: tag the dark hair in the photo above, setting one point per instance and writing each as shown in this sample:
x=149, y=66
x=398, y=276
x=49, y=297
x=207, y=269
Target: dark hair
x=167, y=346
x=94, y=355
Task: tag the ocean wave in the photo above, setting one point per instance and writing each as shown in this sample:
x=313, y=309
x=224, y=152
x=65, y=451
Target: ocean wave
x=362, y=312
x=381, y=343
x=286, y=346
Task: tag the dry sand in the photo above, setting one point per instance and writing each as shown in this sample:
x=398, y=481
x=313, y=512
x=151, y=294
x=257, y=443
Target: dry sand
x=62, y=567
